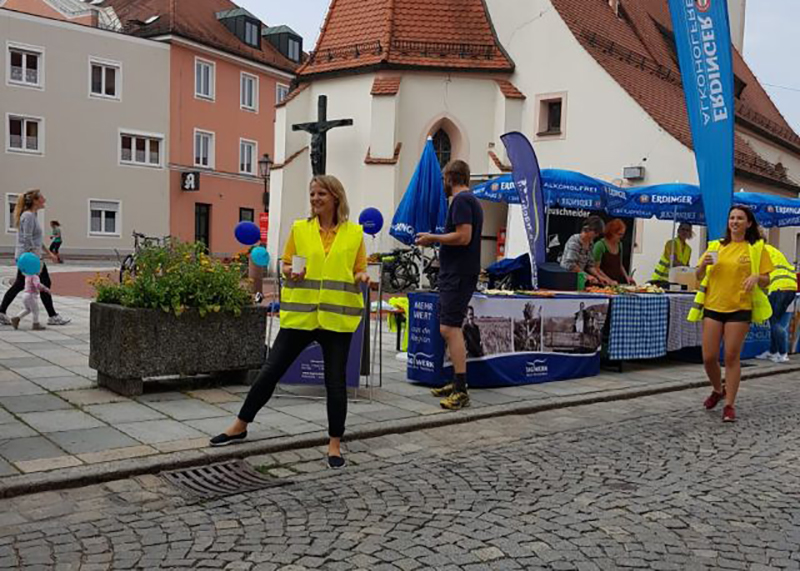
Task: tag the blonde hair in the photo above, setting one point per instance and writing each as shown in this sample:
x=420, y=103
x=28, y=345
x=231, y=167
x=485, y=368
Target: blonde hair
x=24, y=203
x=336, y=188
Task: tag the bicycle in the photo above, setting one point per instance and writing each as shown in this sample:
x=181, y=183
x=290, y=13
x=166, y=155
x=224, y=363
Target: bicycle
x=401, y=268
x=140, y=242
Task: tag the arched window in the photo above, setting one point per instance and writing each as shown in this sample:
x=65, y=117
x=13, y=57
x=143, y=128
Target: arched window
x=444, y=150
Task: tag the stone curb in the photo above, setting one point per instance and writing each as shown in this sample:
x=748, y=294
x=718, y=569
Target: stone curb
x=120, y=469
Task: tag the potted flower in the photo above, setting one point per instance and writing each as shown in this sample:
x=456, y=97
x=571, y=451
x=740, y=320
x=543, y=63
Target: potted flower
x=180, y=313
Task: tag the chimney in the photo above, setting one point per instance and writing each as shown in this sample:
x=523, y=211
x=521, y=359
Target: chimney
x=615, y=4
x=736, y=12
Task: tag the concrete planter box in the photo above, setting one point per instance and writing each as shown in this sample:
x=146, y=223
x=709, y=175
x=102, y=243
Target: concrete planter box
x=128, y=345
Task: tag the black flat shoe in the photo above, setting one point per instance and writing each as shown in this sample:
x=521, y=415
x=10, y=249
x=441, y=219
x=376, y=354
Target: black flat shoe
x=336, y=462
x=223, y=439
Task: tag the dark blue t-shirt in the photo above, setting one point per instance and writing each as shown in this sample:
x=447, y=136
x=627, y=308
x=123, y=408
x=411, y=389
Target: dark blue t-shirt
x=463, y=260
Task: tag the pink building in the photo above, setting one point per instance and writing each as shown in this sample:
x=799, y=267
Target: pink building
x=228, y=71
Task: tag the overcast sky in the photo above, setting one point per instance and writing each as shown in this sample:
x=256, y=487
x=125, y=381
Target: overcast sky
x=771, y=46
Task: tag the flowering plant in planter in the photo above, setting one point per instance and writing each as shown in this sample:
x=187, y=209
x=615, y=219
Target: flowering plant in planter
x=178, y=277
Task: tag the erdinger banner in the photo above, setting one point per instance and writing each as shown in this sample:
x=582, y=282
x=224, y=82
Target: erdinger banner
x=703, y=39
x=510, y=340
x=528, y=181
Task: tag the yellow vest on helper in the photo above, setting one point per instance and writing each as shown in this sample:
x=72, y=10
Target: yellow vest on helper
x=682, y=252
x=328, y=297
x=783, y=277
x=762, y=310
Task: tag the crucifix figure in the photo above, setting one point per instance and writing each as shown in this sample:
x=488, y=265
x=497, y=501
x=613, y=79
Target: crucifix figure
x=319, y=134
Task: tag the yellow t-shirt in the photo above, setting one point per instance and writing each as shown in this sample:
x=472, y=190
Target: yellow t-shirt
x=725, y=292
x=327, y=236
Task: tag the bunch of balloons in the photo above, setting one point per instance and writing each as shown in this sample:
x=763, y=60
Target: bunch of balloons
x=249, y=234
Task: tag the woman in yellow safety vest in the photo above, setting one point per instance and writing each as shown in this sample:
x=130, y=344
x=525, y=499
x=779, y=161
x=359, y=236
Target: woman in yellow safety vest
x=733, y=271
x=677, y=250
x=322, y=302
x=782, y=292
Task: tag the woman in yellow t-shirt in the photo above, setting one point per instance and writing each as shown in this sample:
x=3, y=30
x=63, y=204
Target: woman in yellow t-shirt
x=729, y=304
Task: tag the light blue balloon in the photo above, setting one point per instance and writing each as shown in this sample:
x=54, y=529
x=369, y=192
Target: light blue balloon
x=260, y=256
x=29, y=264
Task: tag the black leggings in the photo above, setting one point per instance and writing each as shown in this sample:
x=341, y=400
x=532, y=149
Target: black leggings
x=287, y=347
x=19, y=285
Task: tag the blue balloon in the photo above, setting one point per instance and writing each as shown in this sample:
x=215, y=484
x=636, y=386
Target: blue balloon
x=372, y=220
x=29, y=264
x=247, y=233
x=260, y=256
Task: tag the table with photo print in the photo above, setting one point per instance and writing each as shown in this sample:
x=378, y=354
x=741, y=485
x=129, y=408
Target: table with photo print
x=638, y=327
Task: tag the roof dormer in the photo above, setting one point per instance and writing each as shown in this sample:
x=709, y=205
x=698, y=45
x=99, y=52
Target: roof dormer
x=243, y=25
x=286, y=41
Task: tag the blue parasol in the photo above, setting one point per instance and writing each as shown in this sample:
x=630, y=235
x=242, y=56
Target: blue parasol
x=678, y=202
x=770, y=210
x=424, y=206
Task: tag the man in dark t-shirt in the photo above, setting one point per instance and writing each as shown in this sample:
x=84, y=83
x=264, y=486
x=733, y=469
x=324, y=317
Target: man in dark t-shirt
x=459, y=267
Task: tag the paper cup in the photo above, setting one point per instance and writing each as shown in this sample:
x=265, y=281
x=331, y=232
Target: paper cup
x=298, y=264
x=714, y=257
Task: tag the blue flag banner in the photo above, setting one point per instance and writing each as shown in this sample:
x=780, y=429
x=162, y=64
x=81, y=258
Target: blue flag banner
x=703, y=39
x=528, y=180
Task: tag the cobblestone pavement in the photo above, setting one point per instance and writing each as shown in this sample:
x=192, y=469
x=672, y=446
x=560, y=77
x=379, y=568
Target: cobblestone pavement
x=651, y=483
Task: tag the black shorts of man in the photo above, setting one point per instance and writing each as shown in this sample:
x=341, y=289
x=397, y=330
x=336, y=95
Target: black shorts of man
x=460, y=265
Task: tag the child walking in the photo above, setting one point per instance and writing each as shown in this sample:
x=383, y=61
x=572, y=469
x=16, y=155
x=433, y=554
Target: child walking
x=30, y=301
x=55, y=240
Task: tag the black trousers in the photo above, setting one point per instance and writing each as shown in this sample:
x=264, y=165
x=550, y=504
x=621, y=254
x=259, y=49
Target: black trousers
x=19, y=285
x=287, y=347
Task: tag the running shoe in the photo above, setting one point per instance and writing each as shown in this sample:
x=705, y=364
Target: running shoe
x=4, y=320
x=765, y=356
x=780, y=359
x=336, y=462
x=728, y=414
x=444, y=391
x=713, y=400
x=58, y=320
x=455, y=401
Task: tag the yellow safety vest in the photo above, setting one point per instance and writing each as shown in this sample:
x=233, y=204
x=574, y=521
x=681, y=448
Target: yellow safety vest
x=762, y=310
x=328, y=297
x=681, y=251
x=783, y=277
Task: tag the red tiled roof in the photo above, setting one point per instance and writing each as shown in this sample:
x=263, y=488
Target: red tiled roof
x=370, y=160
x=292, y=94
x=386, y=85
x=195, y=20
x=509, y=89
x=428, y=34
x=635, y=52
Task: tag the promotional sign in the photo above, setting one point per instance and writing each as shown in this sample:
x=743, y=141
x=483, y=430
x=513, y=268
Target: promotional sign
x=190, y=181
x=309, y=367
x=703, y=40
x=510, y=340
x=528, y=180
x=263, y=223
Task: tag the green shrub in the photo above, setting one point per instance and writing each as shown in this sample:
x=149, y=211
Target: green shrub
x=177, y=277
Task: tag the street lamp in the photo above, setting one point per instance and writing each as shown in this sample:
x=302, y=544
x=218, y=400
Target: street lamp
x=264, y=168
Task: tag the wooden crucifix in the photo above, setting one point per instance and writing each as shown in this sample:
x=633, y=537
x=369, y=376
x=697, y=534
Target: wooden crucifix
x=319, y=134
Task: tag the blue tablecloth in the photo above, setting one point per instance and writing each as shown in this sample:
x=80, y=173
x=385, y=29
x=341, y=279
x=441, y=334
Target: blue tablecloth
x=638, y=327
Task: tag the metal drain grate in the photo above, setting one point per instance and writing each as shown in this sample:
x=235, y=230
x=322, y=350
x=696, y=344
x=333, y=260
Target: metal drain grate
x=220, y=480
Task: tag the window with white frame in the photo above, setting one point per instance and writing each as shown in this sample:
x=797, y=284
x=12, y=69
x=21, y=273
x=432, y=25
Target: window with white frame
x=203, y=79
x=11, y=205
x=140, y=149
x=104, y=218
x=24, y=134
x=249, y=96
x=247, y=156
x=281, y=93
x=104, y=79
x=25, y=65
x=203, y=149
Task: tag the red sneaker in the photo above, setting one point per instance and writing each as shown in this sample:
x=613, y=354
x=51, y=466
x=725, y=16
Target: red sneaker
x=713, y=399
x=728, y=414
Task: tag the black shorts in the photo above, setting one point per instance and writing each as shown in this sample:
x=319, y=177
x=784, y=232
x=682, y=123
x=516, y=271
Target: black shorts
x=744, y=316
x=55, y=247
x=455, y=293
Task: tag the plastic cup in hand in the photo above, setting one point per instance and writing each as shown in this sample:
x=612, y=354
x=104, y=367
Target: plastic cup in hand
x=298, y=265
x=714, y=257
